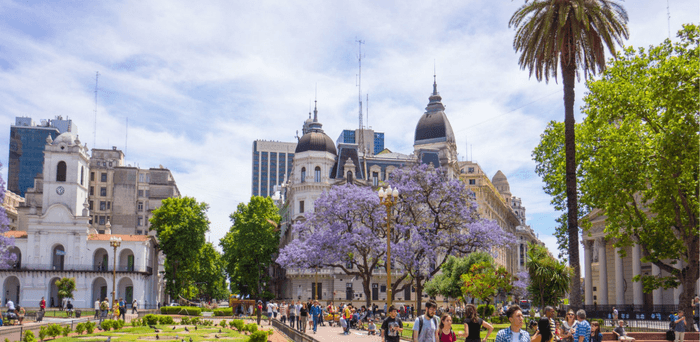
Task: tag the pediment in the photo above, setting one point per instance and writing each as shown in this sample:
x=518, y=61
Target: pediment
x=58, y=214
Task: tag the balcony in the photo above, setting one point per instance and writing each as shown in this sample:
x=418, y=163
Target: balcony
x=78, y=268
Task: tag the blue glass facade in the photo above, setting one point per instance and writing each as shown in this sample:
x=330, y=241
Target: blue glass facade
x=378, y=142
x=26, y=156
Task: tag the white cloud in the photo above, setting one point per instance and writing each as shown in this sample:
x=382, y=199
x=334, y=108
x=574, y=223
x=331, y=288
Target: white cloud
x=199, y=82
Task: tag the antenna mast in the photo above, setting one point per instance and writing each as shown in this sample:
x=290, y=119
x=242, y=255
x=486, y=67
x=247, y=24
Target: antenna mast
x=126, y=136
x=668, y=12
x=361, y=139
x=94, y=130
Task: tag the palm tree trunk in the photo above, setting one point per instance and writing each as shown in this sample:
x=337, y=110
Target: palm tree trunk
x=569, y=73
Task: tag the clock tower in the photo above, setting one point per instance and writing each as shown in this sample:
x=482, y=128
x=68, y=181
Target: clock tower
x=66, y=172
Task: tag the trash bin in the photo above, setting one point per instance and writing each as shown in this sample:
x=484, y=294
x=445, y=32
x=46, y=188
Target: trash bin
x=77, y=313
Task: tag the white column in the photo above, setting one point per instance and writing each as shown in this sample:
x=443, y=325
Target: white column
x=602, y=273
x=619, y=279
x=678, y=290
x=637, y=270
x=656, y=271
x=588, y=280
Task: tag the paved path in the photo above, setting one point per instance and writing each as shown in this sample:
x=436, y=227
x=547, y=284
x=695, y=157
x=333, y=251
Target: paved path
x=335, y=334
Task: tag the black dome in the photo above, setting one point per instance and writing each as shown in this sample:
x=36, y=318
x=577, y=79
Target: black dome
x=433, y=125
x=316, y=141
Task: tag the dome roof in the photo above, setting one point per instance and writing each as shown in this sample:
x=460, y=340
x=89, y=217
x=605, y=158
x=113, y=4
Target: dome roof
x=316, y=141
x=67, y=138
x=500, y=181
x=433, y=125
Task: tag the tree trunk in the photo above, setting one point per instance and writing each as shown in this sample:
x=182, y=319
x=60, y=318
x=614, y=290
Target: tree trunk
x=368, y=291
x=569, y=73
x=419, y=295
x=689, y=278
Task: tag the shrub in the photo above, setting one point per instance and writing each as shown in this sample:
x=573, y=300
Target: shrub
x=150, y=319
x=238, y=324
x=194, y=321
x=43, y=333
x=108, y=324
x=252, y=327
x=54, y=330
x=7, y=339
x=29, y=336
x=120, y=324
x=164, y=319
x=181, y=310
x=223, y=312
x=66, y=330
x=185, y=321
x=135, y=322
x=80, y=328
x=90, y=327
x=258, y=336
x=485, y=311
x=223, y=323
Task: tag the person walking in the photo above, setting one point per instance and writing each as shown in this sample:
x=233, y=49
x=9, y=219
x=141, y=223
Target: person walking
x=97, y=309
x=316, y=313
x=391, y=327
x=259, y=311
x=679, y=329
x=104, y=309
x=270, y=311
x=614, y=313
x=303, y=317
x=283, y=312
x=567, y=326
x=134, y=307
x=445, y=333
x=122, y=309
x=425, y=327
x=42, y=304
x=473, y=324
x=515, y=332
x=582, y=333
x=292, y=314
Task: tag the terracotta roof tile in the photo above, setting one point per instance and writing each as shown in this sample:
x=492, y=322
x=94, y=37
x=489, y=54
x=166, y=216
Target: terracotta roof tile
x=15, y=234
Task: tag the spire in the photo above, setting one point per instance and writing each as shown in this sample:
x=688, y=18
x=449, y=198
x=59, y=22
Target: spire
x=435, y=104
x=315, y=112
x=435, y=85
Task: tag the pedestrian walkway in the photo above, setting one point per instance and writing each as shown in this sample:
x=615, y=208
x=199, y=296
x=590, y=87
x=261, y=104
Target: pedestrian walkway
x=335, y=334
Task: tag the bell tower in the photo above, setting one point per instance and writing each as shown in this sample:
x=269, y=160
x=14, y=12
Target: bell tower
x=66, y=173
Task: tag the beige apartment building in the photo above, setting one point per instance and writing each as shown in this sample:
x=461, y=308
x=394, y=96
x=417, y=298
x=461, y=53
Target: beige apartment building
x=121, y=198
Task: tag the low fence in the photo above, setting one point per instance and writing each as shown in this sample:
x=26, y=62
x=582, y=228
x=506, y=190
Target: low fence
x=293, y=334
x=631, y=312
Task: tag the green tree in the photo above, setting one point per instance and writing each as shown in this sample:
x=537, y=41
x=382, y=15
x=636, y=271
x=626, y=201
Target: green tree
x=568, y=35
x=180, y=224
x=210, y=274
x=549, y=278
x=641, y=136
x=486, y=280
x=251, y=245
x=449, y=282
x=66, y=287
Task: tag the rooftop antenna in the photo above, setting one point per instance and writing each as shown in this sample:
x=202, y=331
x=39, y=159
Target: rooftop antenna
x=367, y=109
x=126, y=136
x=668, y=12
x=94, y=130
x=361, y=140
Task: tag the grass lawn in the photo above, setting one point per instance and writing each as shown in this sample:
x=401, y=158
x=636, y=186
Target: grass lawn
x=166, y=333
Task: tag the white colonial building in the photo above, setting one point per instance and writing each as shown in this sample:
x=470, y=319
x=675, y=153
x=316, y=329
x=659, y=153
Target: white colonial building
x=56, y=240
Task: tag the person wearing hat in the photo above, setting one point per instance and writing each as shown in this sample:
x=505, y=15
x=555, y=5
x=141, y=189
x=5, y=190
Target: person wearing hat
x=259, y=311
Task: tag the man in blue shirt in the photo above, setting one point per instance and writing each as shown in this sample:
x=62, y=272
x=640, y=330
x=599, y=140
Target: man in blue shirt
x=583, y=328
x=514, y=333
x=316, y=314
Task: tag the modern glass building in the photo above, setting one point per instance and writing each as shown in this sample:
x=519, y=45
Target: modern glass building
x=27, y=142
x=373, y=139
x=272, y=161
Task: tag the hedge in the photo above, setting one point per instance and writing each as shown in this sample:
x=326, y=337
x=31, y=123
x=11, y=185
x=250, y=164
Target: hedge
x=485, y=311
x=181, y=310
x=223, y=312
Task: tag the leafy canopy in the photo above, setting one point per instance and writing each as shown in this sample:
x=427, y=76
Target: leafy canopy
x=549, y=279
x=485, y=280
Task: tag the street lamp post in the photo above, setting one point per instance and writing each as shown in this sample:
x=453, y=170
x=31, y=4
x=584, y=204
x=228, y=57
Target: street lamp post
x=115, y=242
x=388, y=198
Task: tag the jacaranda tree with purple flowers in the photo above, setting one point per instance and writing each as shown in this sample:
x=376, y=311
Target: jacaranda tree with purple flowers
x=345, y=230
x=6, y=243
x=436, y=217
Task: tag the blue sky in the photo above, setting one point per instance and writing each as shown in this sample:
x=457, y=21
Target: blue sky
x=199, y=81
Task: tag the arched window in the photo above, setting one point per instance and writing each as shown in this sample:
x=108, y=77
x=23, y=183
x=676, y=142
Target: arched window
x=349, y=177
x=61, y=171
x=317, y=174
x=82, y=174
x=303, y=174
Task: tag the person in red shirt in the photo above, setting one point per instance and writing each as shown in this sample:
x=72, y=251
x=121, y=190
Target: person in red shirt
x=42, y=304
x=445, y=333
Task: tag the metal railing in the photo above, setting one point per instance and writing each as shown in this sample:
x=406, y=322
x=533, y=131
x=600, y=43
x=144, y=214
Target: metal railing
x=77, y=267
x=293, y=334
x=627, y=312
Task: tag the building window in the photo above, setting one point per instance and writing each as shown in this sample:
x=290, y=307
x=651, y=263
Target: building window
x=103, y=191
x=140, y=193
x=103, y=205
x=140, y=206
x=349, y=177
x=472, y=181
x=102, y=220
x=141, y=177
x=109, y=205
x=110, y=163
x=92, y=190
x=92, y=176
x=82, y=174
x=303, y=174
x=61, y=171
x=91, y=204
x=145, y=193
x=301, y=207
x=375, y=178
x=140, y=223
x=103, y=177
x=317, y=174
x=471, y=170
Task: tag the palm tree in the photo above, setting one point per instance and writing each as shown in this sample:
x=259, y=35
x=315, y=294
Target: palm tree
x=568, y=34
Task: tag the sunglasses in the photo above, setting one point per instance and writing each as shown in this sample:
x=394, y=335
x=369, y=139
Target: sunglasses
x=570, y=314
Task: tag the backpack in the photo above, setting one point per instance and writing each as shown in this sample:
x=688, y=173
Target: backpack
x=420, y=323
x=672, y=325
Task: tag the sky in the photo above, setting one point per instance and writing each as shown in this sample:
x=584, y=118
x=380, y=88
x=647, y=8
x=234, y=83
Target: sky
x=198, y=82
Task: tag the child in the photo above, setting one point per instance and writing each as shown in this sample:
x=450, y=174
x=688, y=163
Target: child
x=596, y=335
x=371, y=328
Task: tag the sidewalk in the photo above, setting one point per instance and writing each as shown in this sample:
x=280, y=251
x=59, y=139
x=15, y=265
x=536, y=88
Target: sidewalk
x=335, y=334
